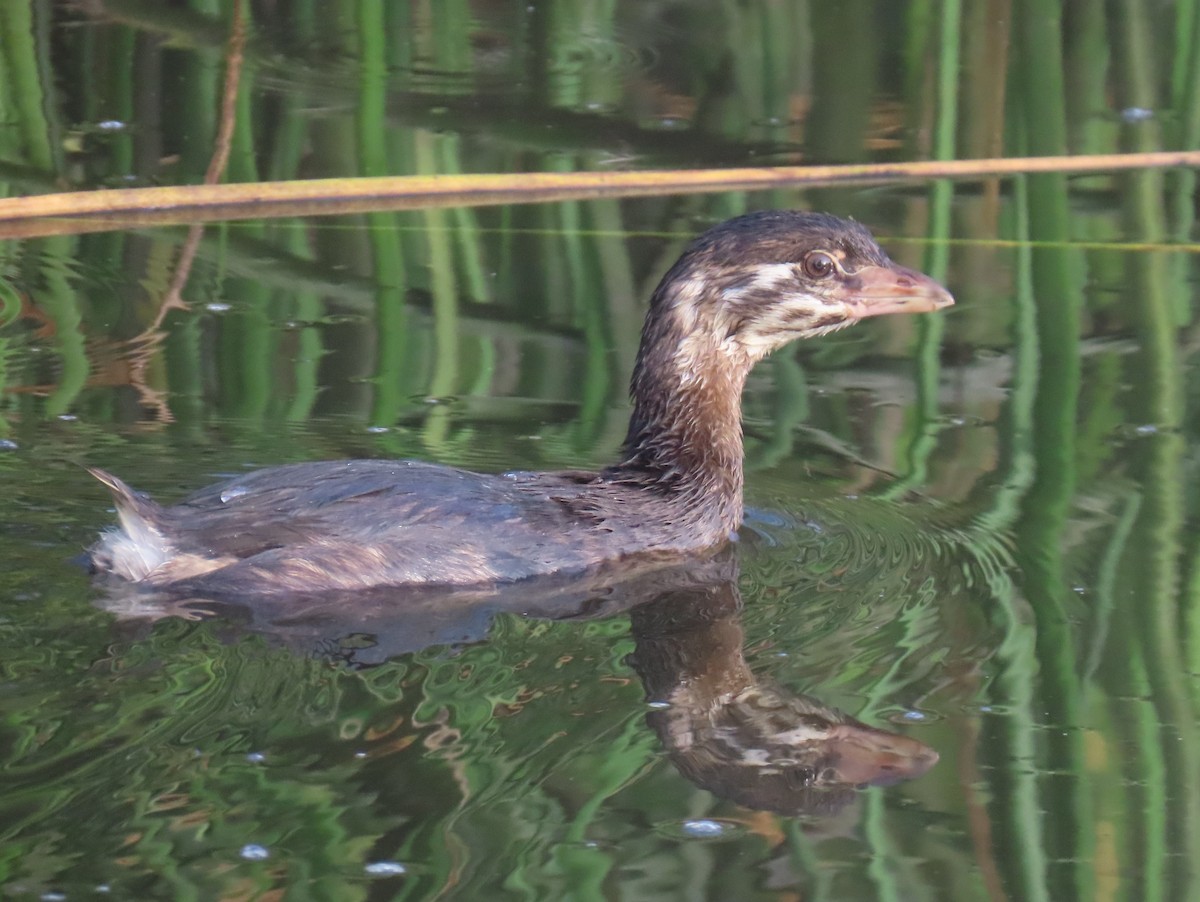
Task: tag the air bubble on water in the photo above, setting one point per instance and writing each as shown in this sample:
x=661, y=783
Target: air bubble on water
x=385, y=869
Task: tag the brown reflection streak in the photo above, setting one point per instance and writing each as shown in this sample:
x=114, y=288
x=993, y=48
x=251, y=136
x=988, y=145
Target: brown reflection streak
x=216, y=166
x=988, y=46
x=967, y=676
x=979, y=824
x=144, y=346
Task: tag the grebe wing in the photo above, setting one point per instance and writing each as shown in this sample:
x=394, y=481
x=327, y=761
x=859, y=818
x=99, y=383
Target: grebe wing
x=357, y=501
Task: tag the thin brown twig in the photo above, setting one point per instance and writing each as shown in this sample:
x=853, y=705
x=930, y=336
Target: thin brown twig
x=216, y=166
x=144, y=345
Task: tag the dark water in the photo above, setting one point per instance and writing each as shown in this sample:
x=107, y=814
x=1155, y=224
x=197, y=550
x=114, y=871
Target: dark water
x=974, y=533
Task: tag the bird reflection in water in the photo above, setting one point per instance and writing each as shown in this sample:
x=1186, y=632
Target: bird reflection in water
x=735, y=734
x=742, y=737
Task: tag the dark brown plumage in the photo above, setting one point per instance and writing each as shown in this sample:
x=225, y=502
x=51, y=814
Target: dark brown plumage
x=740, y=290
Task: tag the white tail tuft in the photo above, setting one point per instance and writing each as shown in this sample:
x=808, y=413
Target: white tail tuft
x=137, y=548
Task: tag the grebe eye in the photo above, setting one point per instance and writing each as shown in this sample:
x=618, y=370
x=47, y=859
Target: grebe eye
x=819, y=265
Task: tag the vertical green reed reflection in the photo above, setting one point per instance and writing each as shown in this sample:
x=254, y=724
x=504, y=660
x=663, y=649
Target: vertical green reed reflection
x=24, y=52
x=196, y=99
x=56, y=295
x=885, y=868
x=1165, y=756
x=454, y=260
x=1011, y=742
x=841, y=81
x=444, y=380
x=24, y=35
x=387, y=250
x=937, y=257
x=608, y=304
x=10, y=149
x=303, y=305
x=1185, y=100
x=1151, y=568
x=1057, y=283
x=10, y=307
x=1172, y=807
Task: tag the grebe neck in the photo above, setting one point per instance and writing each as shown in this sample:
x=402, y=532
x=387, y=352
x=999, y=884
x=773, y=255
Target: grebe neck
x=685, y=430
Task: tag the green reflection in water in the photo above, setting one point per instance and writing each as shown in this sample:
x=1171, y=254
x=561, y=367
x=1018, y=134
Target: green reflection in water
x=1049, y=412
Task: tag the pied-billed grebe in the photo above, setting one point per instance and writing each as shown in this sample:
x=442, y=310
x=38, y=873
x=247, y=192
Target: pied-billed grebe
x=739, y=291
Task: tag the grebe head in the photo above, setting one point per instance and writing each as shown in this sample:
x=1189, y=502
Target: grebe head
x=741, y=290
x=759, y=281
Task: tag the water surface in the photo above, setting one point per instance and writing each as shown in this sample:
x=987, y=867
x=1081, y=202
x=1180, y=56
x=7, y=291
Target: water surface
x=974, y=531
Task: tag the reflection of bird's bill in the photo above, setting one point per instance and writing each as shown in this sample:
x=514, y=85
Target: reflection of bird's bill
x=878, y=290
x=866, y=756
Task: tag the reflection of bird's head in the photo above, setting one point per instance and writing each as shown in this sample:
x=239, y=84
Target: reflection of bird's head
x=771, y=749
x=744, y=738
x=756, y=282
